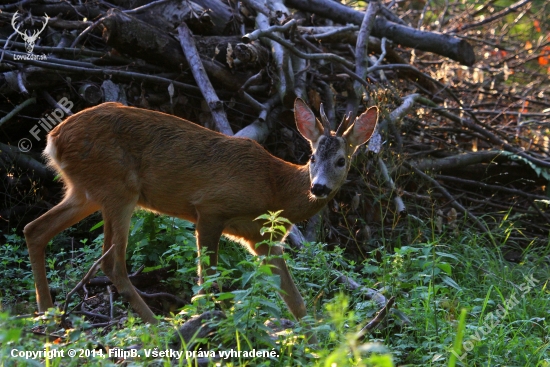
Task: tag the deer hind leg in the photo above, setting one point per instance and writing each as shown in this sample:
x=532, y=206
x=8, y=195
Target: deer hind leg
x=39, y=232
x=116, y=226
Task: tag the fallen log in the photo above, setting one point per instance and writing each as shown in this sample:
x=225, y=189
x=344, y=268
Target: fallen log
x=442, y=44
x=135, y=38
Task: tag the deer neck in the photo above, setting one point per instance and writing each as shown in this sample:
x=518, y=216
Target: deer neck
x=293, y=193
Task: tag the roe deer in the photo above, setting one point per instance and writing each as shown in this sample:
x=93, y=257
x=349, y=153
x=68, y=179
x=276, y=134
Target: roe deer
x=113, y=158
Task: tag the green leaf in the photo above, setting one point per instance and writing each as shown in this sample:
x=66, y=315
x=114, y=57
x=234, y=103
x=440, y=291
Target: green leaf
x=265, y=269
x=263, y=216
x=445, y=267
x=540, y=171
x=271, y=307
x=450, y=282
x=10, y=335
x=96, y=226
x=224, y=296
x=444, y=254
x=246, y=278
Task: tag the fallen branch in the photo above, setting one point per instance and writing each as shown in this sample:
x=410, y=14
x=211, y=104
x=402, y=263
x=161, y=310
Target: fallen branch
x=442, y=44
x=26, y=161
x=498, y=15
x=361, y=56
x=457, y=161
x=16, y=110
x=267, y=33
x=452, y=201
x=91, y=272
x=380, y=316
x=108, y=73
x=490, y=136
x=399, y=205
x=208, y=92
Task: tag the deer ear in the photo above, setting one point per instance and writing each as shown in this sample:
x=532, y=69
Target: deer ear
x=361, y=130
x=307, y=124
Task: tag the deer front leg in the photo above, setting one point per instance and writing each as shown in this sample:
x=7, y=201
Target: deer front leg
x=290, y=293
x=208, y=232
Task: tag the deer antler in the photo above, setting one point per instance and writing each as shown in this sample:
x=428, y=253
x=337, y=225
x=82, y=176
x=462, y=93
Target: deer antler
x=343, y=125
x=324, y=120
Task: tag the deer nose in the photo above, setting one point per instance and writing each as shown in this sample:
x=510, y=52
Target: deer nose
x=320, y=190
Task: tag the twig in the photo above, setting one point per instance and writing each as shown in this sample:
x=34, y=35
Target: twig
x=505, y=189
x=252, y=36
x=145, y=7
x=253, y=80
x=457, y=161
x=111, y=301
x=92, y=314
x=16, y=110
x=105, y=324
x=361, y=53
x=260, y=128
x=268, y=33
x=347, y=70
x=21, y=83
x=496, y=16
x=320, y=36
x=67, y=50
x=86, y=31
x=54, y=103
x=399, y=205
x=280, y=60
x=383, y=54
x=176, y=299
x=487, y=134
x=377, y=319
x=26, y=161
x=491, y=187
x=108, y=72
x=369, y=293
x=454, y=203
x=137, y=272
x=15, y=5
x=207, y=90
x=91, y=272
x=398, y=114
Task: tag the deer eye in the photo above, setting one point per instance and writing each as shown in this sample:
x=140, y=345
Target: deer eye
x=312, y=158
x=341, y=162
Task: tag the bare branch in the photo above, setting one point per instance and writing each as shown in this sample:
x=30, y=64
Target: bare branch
x=208, y=92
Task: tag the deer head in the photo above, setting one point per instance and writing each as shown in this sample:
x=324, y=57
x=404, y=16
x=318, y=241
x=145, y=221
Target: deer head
x=332, y=151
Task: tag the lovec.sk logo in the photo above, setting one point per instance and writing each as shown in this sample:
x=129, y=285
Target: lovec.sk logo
x=29, y=38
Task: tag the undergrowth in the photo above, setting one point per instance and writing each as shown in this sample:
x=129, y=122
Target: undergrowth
x=440, y=272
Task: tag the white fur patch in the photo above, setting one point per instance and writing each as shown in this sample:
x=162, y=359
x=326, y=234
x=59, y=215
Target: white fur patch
x=51, y=152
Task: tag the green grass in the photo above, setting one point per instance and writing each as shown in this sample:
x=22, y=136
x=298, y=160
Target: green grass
x=433, y=277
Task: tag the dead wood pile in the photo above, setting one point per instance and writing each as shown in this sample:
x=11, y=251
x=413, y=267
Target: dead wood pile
x=464, y=98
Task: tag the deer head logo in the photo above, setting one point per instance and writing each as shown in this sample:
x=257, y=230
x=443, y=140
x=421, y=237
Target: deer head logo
x=29, y=39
